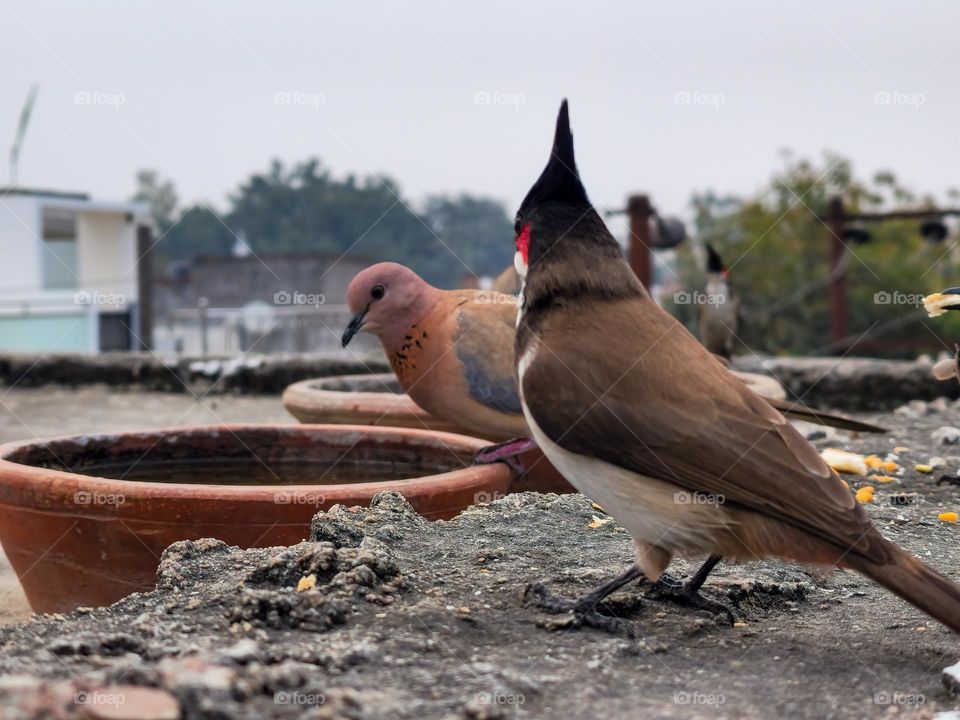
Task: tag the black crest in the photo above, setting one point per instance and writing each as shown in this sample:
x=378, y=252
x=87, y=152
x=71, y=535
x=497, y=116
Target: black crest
x=559, y=182
x=714, y=263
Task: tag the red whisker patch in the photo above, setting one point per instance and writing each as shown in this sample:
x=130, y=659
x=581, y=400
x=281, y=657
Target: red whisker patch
x=523, y=243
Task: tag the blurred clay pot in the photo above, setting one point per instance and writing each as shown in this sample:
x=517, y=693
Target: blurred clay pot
x=762, y=385
x=85, y=519
x=359, y=400
x=380, y=400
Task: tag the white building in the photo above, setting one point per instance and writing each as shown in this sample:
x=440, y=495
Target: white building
x=69, y=272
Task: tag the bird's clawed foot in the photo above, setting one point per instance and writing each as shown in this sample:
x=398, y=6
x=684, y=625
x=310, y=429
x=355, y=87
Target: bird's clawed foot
x=505, y=452
x=678, y=591
x=686, y=591
x=583, y=610
x=580, y=612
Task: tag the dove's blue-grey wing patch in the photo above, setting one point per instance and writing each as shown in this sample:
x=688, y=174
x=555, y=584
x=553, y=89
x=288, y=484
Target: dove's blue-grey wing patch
x=484, y=346
x=500, y=393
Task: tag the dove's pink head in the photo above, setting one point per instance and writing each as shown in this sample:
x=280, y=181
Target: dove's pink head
x=386, y=299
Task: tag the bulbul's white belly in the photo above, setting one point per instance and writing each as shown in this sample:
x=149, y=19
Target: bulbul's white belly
x=651, y=510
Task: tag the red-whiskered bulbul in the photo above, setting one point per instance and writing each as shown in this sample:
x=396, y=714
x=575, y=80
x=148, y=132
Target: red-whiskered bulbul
x=718, y=313
x=645, y=421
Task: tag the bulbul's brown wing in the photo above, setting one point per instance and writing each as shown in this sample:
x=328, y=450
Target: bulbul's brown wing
x=625, y=383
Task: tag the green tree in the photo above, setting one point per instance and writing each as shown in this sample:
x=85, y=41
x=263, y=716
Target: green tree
x=778, y=253
x=474, y=229
x=198, y=231
x=304, y=208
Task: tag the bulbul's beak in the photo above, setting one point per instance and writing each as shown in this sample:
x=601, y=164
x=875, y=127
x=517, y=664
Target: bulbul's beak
x=355, y=326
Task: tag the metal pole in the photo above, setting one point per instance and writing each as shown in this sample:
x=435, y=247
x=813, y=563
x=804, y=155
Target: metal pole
x=638, y=246
x=202, y=304
x=838, y=282
x=903, y=214
x=14, y=161
x=21, y=134
x=144, y=287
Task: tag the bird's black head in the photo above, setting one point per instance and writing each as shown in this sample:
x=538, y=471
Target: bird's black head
x=560, y=238
x=556, y=204
x=714, y=262
x=559, y=183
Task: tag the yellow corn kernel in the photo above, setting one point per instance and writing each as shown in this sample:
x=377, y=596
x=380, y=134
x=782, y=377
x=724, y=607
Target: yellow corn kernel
x=865, y=494
x=307, y=582
x=598, y=522
x=950, y=517
x=873, y=461
x=843, y=461
x=881, y=478
x=923, y=468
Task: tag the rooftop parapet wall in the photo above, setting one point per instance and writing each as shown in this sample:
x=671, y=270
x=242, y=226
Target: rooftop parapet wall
x=246, y=374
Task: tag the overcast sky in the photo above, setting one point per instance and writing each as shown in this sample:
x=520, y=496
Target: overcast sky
x=666, y=97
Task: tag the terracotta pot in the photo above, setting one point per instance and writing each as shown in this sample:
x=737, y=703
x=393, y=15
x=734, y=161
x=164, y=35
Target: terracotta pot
x=359, y=400
x=379, y=400
x=87, y=537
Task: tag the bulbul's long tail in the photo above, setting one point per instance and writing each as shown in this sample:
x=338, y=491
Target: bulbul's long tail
x=795, y=411
x=916, y=583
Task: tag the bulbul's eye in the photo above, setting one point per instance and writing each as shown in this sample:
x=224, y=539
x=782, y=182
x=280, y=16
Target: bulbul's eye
x=376, y=292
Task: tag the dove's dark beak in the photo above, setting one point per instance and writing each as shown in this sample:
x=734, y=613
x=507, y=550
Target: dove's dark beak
x=355, y=326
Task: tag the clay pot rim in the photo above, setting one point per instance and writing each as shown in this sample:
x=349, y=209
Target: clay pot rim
x=323, y=383
x=309, y=398
x=51, y=485
x=310, y=387
x=308, y=395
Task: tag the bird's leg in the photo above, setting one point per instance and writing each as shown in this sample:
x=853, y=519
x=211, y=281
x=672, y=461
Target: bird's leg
x=505, y=452
x=583, y=608
x=692, y=583
x=686, y=591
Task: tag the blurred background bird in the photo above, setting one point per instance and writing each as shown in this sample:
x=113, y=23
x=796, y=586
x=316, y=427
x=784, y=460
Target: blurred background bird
x=719, y=311
x=507, y=282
